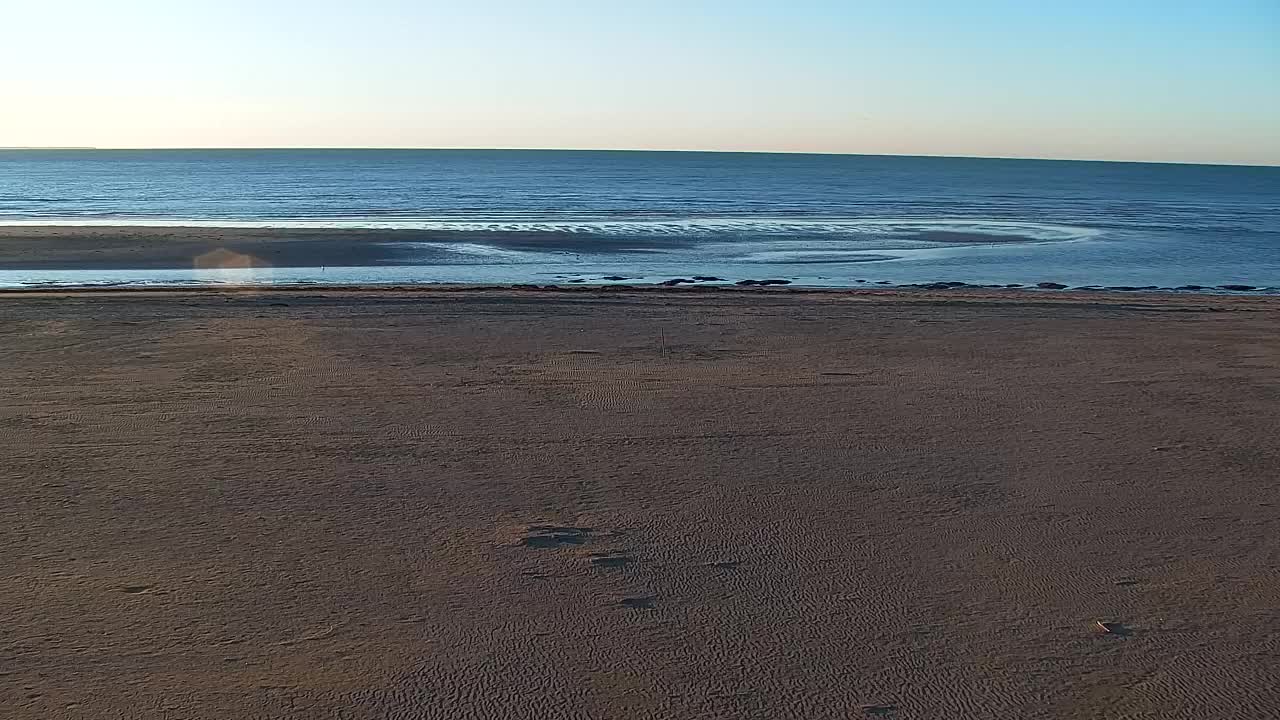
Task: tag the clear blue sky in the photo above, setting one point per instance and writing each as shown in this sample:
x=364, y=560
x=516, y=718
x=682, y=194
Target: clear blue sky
x=1122, y=79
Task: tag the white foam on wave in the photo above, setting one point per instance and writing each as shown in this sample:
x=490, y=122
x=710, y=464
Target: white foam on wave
x=783, y=257
x=900, y=229
x=478, y=250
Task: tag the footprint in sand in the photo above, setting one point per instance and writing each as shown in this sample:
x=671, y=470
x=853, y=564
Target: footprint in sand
x=610, y=560
x=552, y=536
x=722, y=564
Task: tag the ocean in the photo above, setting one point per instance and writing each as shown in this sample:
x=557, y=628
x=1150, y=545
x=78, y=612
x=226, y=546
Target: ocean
x=516, y=216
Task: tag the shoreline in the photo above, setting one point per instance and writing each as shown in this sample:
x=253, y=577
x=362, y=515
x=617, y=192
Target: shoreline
x=925, y=292
x=195, y=256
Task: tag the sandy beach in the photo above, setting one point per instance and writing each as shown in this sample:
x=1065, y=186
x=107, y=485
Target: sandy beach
x=613, y=504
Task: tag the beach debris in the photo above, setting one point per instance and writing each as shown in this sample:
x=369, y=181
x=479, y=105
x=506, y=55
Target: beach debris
x=1108, y=627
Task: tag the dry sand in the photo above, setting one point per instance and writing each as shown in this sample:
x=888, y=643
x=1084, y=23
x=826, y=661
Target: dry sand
x=764, y=504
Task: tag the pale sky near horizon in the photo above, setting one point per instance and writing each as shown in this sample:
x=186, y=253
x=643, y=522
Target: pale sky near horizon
x=1140, y=80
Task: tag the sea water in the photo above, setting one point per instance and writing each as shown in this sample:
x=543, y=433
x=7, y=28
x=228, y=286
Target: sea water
x=506, y=216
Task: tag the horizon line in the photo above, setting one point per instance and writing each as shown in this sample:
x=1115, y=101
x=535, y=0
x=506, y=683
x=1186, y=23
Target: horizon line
x=635, y=150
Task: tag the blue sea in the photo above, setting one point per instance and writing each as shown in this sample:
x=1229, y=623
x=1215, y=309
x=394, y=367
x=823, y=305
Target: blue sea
x=508, y=216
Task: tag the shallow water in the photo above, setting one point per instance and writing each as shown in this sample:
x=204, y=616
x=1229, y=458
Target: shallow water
x=543, y=216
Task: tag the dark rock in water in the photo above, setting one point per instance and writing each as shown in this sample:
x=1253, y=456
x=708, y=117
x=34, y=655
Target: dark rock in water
x=707, y=278
x=1051, y=286
x=614, y=277
x=859, y=281
x=675, y=281
x=1239, y=288
x=1191, y=287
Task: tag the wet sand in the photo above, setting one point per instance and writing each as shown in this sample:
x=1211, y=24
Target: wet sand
x=169, y=248
x=764, y=504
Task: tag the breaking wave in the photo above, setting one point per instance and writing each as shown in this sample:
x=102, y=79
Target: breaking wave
x=941, y=231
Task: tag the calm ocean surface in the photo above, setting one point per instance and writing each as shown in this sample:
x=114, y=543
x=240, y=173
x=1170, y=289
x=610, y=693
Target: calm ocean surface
x=813, y=219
